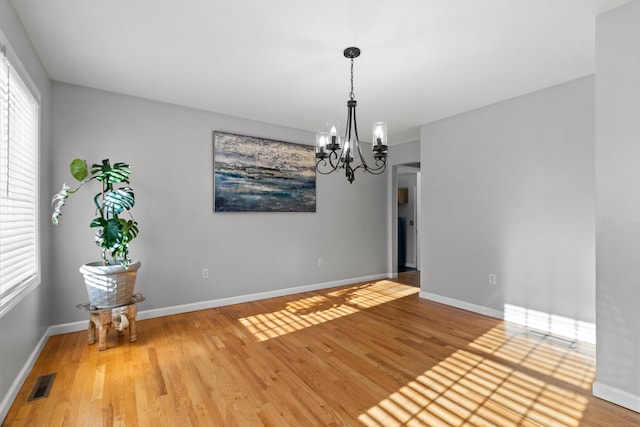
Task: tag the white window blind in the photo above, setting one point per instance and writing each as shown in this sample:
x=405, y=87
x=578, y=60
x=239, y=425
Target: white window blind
x=18, y=184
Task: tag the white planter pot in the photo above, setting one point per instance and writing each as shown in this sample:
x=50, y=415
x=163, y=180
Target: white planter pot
x=110, y=285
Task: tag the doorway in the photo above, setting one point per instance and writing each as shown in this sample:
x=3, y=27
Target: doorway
x=407, y=217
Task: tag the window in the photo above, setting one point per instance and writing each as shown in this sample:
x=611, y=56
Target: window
x=19, y=110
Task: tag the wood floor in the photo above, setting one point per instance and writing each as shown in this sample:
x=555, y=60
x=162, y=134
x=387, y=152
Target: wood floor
x=370, y=354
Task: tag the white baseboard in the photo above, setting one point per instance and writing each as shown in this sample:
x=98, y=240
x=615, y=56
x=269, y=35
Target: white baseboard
x=463, y=305
x=66, y=328
x=617, y=396
x=203, y=305
x=587, y=331
x=13, y=391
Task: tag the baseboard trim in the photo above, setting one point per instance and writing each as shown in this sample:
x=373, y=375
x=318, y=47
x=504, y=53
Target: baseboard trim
x=463, y=305
x=221, y=302
x=588, y=334
x=617, y=396
x=66, y=328
x=13, y=391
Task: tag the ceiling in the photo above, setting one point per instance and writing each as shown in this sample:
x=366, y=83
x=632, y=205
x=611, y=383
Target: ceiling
x=281, y=61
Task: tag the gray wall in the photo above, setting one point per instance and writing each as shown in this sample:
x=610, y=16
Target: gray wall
x=618, y=205
x=508, y=189
x=170, y=151
x=23, y=326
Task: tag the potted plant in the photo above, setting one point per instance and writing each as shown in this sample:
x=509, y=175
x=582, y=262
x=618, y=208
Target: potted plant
x=109, y=282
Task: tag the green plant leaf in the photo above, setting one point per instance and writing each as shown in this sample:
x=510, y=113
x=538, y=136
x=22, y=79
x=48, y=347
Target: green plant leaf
x=108, y=174
x=78, y=169
x=112, y=233
x=119, y=200
x=130, y=230
x=98, y=222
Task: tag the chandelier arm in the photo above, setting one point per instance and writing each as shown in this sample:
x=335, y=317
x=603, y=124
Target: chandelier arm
x=347, y=156
x=329, y=172
x=339, y=158
x=355, y=126
x=347, y=131
x=355, y=123
x=379, y=170
x=334, y=156
x=363, y=162
x=324, y=165
x=362, y=165
x=374, y=171
x=333, y=167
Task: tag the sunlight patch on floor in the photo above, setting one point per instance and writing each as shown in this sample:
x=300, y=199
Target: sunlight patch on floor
x=491, y=383
x=323, y=307
x=577, y=369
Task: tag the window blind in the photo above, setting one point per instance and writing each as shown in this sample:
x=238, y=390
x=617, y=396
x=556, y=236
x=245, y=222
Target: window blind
x=18, y=189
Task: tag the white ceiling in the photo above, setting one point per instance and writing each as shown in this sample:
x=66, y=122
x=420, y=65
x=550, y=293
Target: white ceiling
x=281, y=61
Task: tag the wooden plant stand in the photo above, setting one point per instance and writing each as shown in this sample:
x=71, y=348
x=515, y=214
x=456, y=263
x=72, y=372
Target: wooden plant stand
x=120, y=318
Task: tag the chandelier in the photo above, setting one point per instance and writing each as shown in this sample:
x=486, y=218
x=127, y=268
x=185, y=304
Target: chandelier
x=334, y=153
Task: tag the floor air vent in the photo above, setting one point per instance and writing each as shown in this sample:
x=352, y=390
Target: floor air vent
x=554, y=339
x=42, y=387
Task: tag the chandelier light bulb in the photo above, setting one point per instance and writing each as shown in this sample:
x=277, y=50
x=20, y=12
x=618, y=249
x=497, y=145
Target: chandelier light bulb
x=379, y=134
x=321, y=142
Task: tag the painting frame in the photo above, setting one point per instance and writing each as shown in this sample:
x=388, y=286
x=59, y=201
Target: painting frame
x=258, y=174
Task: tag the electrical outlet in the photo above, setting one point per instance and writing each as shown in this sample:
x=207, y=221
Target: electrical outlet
x=493, y=279
x=205, y=273
x=320, y=261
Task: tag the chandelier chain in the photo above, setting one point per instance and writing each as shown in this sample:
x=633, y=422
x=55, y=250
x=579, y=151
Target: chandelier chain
x=351, y=94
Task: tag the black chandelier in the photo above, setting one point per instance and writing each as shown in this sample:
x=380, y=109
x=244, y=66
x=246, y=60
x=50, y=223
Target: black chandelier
x=332, y=154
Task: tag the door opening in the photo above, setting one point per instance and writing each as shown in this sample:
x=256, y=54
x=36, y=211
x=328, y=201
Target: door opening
x=408, y=214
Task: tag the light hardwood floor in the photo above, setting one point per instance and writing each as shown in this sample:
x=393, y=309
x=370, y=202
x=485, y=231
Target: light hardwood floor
x=369, y=354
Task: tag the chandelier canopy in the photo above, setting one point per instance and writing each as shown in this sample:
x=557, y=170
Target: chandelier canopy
x=334, y=153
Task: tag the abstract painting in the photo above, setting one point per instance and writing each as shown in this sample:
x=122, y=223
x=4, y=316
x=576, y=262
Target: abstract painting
x=254, y=174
